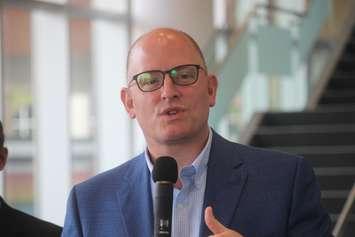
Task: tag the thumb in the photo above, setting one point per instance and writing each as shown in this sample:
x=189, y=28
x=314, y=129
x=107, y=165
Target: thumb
x=212, y=223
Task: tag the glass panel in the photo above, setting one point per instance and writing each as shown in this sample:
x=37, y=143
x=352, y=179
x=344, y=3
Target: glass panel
x=20, y=69
x=81, y=78
x=82, y=168
x=114, y=143
x=17, y=107
x=79, y=3
x=117, y=6
x=19, y=183
x=219, y=13
x=17, y=74
x=54, y=1
x=81, y=103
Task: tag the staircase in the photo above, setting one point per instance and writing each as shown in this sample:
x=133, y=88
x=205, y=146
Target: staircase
x=324, y=136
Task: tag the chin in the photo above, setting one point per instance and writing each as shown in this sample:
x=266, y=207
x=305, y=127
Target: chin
x=173, y=135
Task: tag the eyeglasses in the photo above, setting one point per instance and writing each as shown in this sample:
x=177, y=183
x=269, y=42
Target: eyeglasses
x=183, y=75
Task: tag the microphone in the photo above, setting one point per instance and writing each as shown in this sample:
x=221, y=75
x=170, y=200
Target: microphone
x=165, y=174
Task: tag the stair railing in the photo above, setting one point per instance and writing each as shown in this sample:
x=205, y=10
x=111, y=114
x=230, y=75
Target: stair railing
x=339, y=29
x=231, y=36
x=344, y=214
x=230, y=51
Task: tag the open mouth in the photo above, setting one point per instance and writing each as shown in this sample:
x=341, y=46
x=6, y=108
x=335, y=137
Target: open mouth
x=172, y=111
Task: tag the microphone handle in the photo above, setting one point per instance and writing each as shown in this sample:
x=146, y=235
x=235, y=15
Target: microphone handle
x=163, y=209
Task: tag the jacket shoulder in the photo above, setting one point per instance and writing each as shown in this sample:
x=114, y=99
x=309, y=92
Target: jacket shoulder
x=19, y=223
x=115, y=176
x=253, y=155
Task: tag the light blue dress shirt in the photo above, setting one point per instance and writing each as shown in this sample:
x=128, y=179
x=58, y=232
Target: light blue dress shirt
x=188, y=201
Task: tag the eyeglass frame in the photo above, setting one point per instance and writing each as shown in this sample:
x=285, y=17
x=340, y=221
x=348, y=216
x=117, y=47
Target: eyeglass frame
x=134, y=78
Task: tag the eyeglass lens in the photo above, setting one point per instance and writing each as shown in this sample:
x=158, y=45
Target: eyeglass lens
x=181, y=75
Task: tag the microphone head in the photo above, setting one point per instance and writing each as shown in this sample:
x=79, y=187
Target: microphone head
x=165, y=169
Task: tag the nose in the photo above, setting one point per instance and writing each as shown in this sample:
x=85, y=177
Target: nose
x=169, y=90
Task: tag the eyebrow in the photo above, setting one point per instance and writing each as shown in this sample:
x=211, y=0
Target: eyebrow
x=168, y=70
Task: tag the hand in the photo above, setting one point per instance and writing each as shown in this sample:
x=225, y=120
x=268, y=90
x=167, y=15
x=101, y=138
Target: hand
x=216, y=227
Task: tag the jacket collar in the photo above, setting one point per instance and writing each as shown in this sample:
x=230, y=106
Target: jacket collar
x=226, y=176
x=135, y=200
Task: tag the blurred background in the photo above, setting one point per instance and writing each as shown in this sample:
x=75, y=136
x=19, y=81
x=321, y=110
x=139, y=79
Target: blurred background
x=286, y=82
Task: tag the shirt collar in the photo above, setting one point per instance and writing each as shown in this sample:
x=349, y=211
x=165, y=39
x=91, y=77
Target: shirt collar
x=199, y=164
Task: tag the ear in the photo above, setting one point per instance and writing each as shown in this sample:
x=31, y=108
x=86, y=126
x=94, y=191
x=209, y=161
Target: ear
x=3, y=157
x=212, y=89
x=127, y=101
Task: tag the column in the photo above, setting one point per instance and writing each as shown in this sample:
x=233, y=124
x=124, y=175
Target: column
x=51, y=87
x=113, y=126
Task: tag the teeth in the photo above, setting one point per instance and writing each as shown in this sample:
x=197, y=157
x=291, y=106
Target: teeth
x=172, y=112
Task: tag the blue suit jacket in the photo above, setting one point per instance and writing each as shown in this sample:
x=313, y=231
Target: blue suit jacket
x=256, y=192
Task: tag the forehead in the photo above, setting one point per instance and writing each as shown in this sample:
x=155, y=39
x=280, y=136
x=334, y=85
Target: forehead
x=162, y=50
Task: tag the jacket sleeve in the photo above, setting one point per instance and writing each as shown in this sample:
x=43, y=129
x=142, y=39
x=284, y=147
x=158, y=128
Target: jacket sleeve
x=72, y=223
x=307, y=217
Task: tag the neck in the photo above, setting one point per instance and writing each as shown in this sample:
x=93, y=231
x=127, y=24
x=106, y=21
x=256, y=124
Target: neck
x=184, y=152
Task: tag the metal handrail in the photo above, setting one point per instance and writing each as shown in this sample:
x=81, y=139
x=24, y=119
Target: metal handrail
x=275, y=8
x=344, y=214
x=232, y=35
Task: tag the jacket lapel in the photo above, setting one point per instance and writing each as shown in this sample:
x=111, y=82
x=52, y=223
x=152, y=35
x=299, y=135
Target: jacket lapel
x=226, y=176
x=135, y=200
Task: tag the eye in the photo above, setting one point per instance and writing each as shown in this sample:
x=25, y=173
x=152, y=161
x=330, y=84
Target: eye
x=152, y=80
x=148, y=80
x=186, y=74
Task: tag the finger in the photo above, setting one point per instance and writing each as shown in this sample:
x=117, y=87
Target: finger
x=212, y=223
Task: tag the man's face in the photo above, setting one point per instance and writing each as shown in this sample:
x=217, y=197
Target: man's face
x=172, y=113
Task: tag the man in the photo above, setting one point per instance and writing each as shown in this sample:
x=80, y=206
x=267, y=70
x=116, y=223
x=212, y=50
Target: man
x=15, y=223
x=224, y=189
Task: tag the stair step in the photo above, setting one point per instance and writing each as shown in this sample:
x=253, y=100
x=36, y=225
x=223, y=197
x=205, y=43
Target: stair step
x=338, y=107
x=335, y=194
x=335, y=178
x=339, y=93
x=349, y=229
x=336, y=182
x=338, y=97
x=298, y=135
x=346, y=62
x=346, y=57
x=334, y=205
x=350, y=46
x=325, y=160
x=337, y=101
x=319, y=116
x=328, y=171
x=334, y=217
x=315, y=139
x=306, y=129
x=325, y=137
x=315, y=150
x=343, y=75
x=341, y=83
